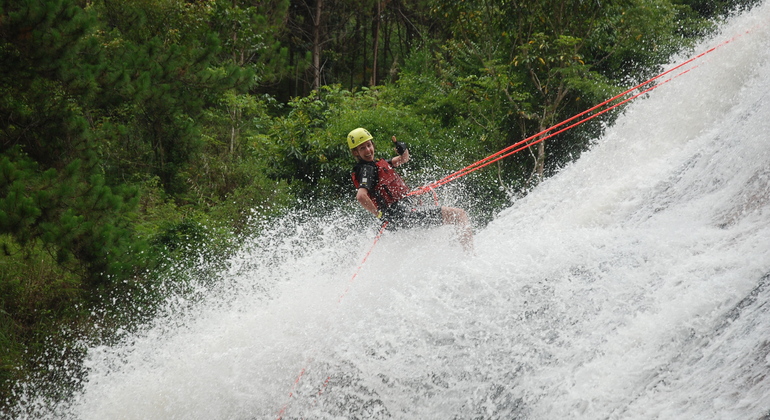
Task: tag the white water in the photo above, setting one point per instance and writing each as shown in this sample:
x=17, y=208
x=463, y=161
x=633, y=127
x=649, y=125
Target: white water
x=633, y=285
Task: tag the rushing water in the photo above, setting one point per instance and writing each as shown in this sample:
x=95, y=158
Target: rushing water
x=632, y=285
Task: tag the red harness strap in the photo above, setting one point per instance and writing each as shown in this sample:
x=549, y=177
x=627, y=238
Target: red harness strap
x=389, y=188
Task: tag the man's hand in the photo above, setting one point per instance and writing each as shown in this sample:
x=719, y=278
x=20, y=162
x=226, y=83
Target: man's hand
x=400, y=146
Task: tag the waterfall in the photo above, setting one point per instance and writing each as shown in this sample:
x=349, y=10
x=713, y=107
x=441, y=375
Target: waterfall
x=632, y=285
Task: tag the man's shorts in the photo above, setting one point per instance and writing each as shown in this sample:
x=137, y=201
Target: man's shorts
x=407, y=214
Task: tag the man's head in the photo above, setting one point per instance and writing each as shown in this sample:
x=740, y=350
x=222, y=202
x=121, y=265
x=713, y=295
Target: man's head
x=360, y=144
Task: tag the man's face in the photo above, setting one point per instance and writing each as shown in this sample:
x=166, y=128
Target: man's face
x=365, y=151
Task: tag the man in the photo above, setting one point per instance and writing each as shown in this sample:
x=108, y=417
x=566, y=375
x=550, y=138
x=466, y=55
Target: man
x=382, y=191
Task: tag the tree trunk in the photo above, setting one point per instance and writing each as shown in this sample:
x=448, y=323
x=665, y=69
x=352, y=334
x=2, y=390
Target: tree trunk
x=235, y=36
x=537, y=172
x=376, y=36
x=317, y=45
x=540, y=163
x=235, y=132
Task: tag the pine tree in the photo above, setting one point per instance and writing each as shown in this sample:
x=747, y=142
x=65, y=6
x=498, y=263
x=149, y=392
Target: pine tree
x=64, y=232
x=162, y=74
x=52, y=192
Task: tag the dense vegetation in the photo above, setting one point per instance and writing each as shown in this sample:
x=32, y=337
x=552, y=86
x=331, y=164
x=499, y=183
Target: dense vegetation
x=134, y=133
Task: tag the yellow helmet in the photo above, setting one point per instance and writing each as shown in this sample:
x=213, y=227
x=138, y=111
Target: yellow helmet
x=358, y=137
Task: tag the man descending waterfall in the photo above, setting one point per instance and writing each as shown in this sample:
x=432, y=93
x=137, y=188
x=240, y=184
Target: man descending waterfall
x=382, y=191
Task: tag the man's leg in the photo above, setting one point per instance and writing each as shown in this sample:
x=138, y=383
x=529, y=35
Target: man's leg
x=459, y=218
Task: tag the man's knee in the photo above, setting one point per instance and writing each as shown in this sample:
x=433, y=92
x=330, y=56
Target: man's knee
x=454, y=216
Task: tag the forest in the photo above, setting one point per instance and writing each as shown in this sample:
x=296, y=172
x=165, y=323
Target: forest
x=140, y=136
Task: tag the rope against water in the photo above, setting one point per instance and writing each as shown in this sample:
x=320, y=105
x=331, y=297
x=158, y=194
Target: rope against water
x=350, y=283
x=519, y=146
x=530, y=141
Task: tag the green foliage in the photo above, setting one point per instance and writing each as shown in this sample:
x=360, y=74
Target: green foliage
x=249, y=31
x=517, y=68
x=308, y=144
x=303, y=148
x=161, y=77
x=36, y=294
x=51, y=190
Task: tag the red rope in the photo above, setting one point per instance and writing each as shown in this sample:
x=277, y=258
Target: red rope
x=291, y=393
x=515, y=148
x=355, y=274
x=528, y=142
x=376, y=239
